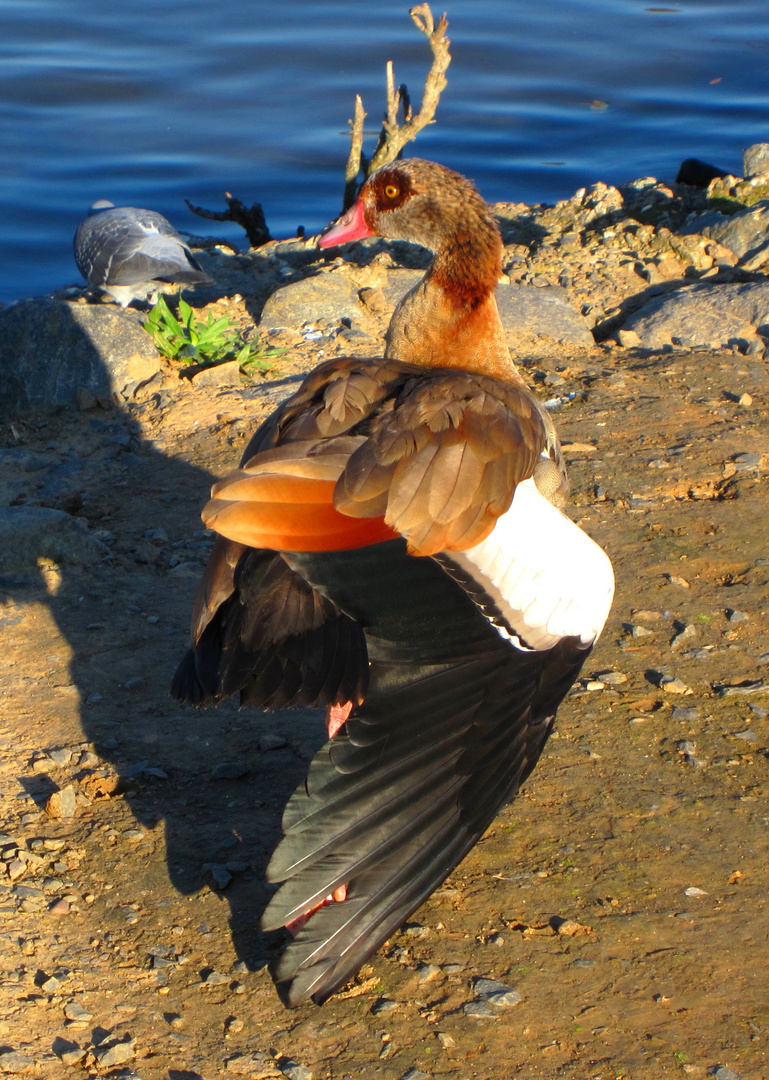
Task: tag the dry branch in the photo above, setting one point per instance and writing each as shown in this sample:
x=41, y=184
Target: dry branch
x=252, y=220
x=394, y=136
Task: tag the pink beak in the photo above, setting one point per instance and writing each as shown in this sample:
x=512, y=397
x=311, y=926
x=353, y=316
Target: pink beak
x=349, y=226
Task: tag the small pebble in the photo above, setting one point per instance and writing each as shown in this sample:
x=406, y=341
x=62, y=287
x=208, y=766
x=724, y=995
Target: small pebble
x=415, y=1074
x=220, y=874
x=747, y=735
x=73, y=1010
x=384, y=1005
x=640, y=632
x=673, y=685
x=60, y=757
x=268, y=741
x=684, y=714
x=480, y=1010
x=445, y=1040
x=496, y=993
x=62, y=804
x=115, y=1053
x=685, y=634
x=721, y=1072
x=228, y=770
x=736, y=616
x=694, y=891
x=214, y=978
x=614, y=678
x=60, y=907
x=427, y=972
x=293, y=1070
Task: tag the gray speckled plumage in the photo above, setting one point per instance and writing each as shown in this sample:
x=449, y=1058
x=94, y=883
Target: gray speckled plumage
x=132, y=254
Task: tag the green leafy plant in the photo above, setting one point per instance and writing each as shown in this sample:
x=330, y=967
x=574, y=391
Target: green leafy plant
x=191, y=341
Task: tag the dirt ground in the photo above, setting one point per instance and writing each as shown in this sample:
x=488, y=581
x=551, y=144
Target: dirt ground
x=623, y=894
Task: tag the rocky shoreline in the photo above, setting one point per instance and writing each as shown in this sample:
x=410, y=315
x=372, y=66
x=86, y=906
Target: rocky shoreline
x=645, y=266
x=613, y=920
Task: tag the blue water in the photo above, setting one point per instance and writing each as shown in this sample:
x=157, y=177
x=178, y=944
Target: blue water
x=147, y=103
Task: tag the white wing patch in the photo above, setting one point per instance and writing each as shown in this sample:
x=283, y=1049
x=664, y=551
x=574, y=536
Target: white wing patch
x=547, y=578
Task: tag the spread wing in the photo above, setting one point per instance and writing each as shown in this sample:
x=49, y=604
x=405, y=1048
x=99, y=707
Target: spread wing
x=370, y=464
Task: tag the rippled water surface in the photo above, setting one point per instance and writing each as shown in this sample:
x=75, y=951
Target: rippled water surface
x=147, y=103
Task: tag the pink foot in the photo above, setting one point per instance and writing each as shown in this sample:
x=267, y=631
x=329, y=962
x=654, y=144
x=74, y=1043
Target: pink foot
x=338, y=895
x=336, y=716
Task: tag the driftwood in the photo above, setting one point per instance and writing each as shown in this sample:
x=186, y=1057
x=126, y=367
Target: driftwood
x=252, y=220
x=394, y=136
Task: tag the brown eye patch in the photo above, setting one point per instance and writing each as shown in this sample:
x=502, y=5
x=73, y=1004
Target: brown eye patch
x=392, y=190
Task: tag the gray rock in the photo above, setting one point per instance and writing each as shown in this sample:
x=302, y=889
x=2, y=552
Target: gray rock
x=14, y=1061
x=496, y=993
x=114, y=1053
x=685, y=715
x=415, y=1074
x=62, y=804
x=480, y=1010
x=721, y=1072
x=704, y=315
x=229, y=770
x=51, y=350
x=293, y=1070
x=384, y=1005
x=744, y=233
x=325, y=297
x=755, y=160
x=28, y=533
x=545, y=312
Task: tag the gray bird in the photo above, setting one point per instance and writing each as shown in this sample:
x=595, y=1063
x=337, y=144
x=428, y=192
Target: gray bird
x=132, y=254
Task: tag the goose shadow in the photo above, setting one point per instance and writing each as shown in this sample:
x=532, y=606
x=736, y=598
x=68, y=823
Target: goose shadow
x=211, y=784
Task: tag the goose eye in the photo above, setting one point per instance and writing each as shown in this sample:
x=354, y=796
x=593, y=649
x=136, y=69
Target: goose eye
x=391, y=191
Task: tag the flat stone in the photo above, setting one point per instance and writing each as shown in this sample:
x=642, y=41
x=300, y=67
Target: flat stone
x=325, y=297
x=227, y=374
x=51, y=351
x=480, y=1010
x=703, y=315
x=28, y=533
x=755, y=161
x=229, y=770
x=293, y=1070
x=686, y=715
x=115, y=1053
x=528, y=312
x=496, y=993
x=255, y=1064
x=14, y=1061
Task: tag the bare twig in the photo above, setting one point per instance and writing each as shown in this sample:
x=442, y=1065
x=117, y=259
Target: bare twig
x=394, y=136
x=354, y=159
x=252, y=220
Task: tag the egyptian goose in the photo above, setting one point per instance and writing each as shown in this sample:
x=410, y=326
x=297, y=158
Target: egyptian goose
x=133, y=254
x=385, y=551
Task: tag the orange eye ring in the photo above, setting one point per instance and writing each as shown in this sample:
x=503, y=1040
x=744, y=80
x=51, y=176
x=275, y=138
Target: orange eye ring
x=391, y=191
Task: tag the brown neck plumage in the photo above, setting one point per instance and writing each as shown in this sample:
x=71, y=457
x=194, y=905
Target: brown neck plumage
x=451, y=319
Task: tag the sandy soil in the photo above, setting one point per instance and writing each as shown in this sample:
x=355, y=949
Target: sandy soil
x=623, y=894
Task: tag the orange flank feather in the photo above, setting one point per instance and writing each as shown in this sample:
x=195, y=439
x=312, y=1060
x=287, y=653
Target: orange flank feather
x=287, y=513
